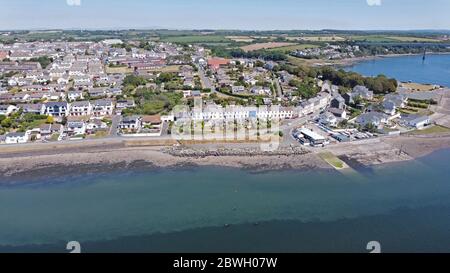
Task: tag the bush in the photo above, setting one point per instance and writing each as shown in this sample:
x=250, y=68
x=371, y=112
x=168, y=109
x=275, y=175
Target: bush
x=132, y=80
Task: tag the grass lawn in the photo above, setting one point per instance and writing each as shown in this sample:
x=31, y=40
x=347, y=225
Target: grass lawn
x=35, y=123
x=408, y=111
x=54, y=137
x=118, y=70
x=418, y=86
x=333, y=160
x=99, y=134
x=297, y=61
x=436, y=129
x=167, y=69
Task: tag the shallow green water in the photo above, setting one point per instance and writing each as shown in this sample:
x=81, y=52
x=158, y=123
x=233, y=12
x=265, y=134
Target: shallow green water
x=125, y=206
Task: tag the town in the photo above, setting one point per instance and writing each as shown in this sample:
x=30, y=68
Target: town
x=74, y=91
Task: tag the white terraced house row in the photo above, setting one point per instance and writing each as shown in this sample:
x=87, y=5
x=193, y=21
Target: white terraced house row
x=81, y=108
x=102, y=108
x=241, y=113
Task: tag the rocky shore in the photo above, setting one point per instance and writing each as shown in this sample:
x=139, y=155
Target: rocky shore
x=249, y=152
x=76, y=160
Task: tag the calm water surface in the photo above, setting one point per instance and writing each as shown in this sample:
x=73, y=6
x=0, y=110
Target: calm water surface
x=435, y=69
x=406, y=206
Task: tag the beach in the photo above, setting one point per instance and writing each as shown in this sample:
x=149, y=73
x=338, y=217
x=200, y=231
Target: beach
x=36, y=160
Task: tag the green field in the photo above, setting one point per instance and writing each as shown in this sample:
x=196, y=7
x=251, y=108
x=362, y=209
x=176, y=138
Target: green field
x=437, y=129
x=288, y=49
x=193, y=39
x=388, y=38
x=333, y=160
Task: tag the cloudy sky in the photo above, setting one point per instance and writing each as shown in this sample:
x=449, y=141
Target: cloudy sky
x=225, y=14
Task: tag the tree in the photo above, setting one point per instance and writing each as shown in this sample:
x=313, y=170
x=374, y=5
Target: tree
x=6, y=123
x=134, y=80
x=370, y=127
x=165, y=77
x=44, y=61
x=50, y=120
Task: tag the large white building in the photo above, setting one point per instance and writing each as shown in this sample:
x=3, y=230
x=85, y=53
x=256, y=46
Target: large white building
x=81, y=108
x=216, y=112
x=16, y=138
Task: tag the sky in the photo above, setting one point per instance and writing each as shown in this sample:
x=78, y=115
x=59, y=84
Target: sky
x=226, y=14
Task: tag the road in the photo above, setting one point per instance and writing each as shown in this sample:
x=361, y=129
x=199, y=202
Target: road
x=113, y=132
x=207, y=84
x=278, y=87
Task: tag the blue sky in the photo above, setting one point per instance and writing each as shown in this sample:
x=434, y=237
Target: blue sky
x=225, y=14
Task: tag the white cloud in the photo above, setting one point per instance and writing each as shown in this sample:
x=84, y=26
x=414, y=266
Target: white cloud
x=374, y=2
x=73, y=2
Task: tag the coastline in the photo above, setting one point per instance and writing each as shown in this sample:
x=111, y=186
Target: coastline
x=353, y=61
x=32, y=165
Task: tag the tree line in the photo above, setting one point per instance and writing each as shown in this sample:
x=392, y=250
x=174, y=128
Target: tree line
x=379, y=85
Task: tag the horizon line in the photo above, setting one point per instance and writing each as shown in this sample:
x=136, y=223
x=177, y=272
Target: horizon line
x=215, y=29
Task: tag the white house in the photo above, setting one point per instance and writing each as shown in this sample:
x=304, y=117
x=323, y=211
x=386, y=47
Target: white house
x=80, y=108
x=82, y=80
x=420, y=122
x=76, y=128
x=37, y=108
x=95, y=125
x=16, y=138
x=6, y=110
x=132, y=123
x=259, y=90
x=377, y=119
x=103, y=108
x=328, y=119
x=57, y=109
x=75, y=95
x=63, y=80
x=57, y=73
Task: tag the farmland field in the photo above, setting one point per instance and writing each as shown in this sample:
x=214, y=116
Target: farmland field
x=241, y=39
x=259, y=46
x=167, y=69
x=316, y=38
x=196, y=39
x=414, y=39
x=382, y=38
x=287, y=49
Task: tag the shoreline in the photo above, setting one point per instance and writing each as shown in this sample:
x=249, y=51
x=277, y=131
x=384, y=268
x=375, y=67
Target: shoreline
x=353, y=61
x=34, y=165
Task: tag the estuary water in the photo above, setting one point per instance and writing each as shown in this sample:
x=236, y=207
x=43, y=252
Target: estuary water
x=434, y=70
x=404, y=206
